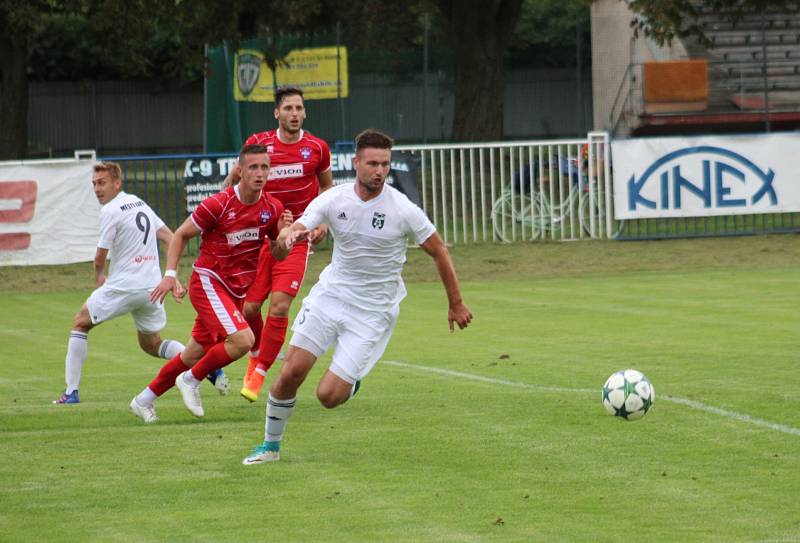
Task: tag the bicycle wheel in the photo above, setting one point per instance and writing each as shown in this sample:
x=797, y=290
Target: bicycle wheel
x=512, y=218
x=589, y=204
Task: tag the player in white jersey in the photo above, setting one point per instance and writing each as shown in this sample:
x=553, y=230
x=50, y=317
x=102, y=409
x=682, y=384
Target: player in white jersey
x=128, y=231
x=355, y=304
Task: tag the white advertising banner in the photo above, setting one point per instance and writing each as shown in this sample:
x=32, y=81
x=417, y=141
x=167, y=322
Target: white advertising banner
x=706, y=176
x=48, y=212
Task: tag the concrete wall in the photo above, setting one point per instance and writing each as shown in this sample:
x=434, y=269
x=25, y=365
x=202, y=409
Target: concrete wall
x=614, y=49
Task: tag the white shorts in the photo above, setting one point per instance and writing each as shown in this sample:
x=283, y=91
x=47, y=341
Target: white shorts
x=360, y=336
x=105, y=304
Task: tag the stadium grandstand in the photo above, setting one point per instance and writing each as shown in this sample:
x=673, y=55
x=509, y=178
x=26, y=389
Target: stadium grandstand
x=744, y=79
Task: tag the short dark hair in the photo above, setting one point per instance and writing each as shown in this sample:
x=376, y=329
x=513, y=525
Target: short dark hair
x=283, y=92
x=372, y=139
x=252, y=149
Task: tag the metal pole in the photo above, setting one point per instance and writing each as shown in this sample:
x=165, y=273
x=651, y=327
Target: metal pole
x=342, y=130
x=579, y=72
x=425, y=58
x=764, y=67
x=205, y=103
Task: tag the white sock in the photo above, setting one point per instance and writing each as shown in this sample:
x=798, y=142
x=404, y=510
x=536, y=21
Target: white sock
x=146, y=397
x=77, y=348
x=278, y=412
x=169, y=349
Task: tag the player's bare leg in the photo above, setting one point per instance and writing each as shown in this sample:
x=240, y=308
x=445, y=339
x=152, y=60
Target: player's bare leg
x=152, y=344
x=280, y=406
x=333, y=391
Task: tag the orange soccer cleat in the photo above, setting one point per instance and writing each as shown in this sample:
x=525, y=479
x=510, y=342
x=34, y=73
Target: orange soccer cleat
x=252, y=362
x=252, y=385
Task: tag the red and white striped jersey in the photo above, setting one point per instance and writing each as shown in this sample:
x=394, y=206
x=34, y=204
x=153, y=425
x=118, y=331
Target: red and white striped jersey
x=294, y=167
x=232, y=235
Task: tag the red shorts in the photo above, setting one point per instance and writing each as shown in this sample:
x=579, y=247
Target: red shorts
x=219, y=313
x=279, y=275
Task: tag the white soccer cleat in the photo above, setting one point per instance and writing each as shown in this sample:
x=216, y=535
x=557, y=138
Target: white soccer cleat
x=263, y=453
x=223, y=385
x=144, y=412
x=190, y=394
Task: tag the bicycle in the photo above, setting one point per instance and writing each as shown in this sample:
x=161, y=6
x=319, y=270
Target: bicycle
x=580, y=211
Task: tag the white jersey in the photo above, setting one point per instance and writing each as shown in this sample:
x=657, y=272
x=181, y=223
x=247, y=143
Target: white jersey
x=370, y=243
x=128, y=230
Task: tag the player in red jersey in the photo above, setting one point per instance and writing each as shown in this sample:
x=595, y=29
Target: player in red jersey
x=300, y=170
x=234, y=224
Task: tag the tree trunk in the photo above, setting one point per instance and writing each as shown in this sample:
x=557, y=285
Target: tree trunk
x=479, y=33
x=13, y=97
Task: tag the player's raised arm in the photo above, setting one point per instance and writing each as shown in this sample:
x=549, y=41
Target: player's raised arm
x=458, y=312
x=170, y=283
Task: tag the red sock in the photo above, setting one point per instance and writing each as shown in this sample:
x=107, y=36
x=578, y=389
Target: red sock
x=271, y=341
x=165, y=379
x=256, y=324
x=215, y=358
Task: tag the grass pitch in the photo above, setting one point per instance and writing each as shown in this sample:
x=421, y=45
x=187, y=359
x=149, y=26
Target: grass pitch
x=495, y=433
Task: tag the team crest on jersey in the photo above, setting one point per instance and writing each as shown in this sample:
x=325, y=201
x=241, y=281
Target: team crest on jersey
x=378, y=220
x=265, y=216
x=231, y=215
x=305, y=152
x=270, y=149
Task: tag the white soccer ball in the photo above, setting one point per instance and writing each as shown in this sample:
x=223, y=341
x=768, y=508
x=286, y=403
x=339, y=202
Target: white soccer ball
x=628, y=394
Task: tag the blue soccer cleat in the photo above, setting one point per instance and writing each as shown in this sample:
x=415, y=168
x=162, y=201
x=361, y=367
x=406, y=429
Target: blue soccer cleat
x=72, y=397
x=220, y=381
x=269, y=451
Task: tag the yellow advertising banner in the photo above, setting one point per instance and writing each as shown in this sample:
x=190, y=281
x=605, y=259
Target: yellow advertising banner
x=317, y=71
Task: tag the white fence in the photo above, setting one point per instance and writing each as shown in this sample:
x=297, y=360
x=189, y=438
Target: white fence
x=527, y=190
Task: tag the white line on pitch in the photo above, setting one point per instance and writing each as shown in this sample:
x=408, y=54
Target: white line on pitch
x=783, y=428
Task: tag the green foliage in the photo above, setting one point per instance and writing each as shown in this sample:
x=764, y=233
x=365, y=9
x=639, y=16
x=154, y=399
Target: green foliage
x=547, y=31
x=146, y=39
x=663, y=20
x=73, y=40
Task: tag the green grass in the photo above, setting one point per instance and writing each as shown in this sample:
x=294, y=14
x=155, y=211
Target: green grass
x=495, y=433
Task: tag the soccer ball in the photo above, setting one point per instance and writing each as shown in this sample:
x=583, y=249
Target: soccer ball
x=628, y=394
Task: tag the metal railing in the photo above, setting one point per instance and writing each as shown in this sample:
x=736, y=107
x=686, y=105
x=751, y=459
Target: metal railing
x=477, y=192
x=493, y=192
x=517, y=191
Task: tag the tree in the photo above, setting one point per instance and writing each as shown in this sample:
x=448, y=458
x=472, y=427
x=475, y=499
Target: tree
x=479, y=34
x=120, y=39
x=663, y=20
x=549, y=32
x=16, y=24
x=154, y=39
